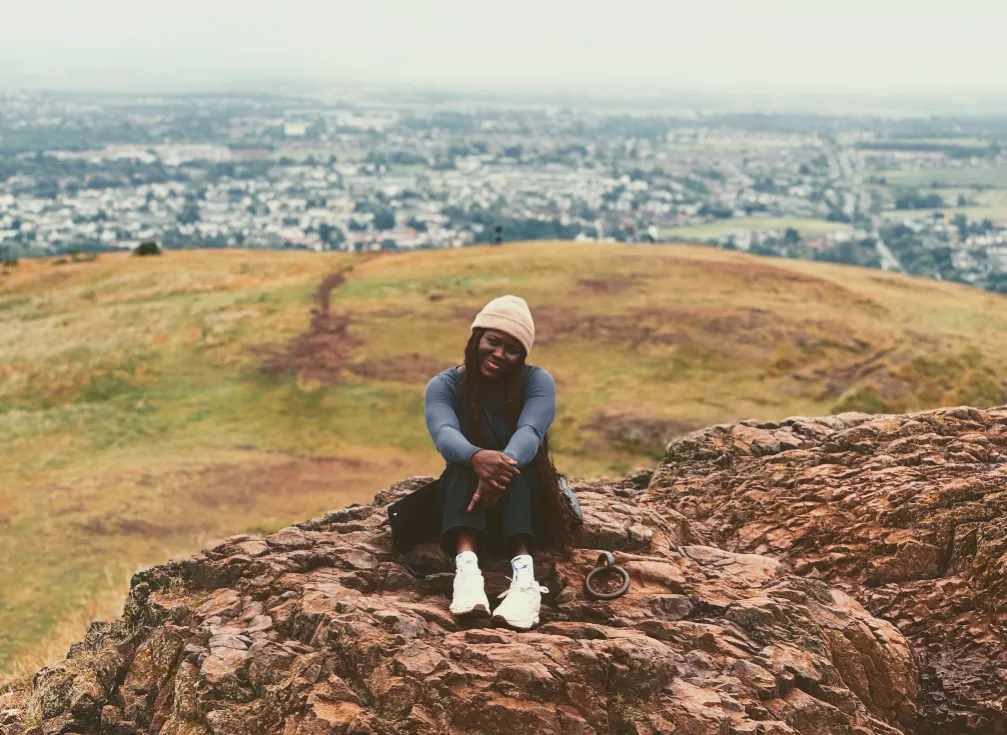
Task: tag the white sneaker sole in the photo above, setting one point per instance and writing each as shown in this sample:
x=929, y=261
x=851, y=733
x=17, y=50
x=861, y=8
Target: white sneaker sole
x=480, y=610
x=501, y=620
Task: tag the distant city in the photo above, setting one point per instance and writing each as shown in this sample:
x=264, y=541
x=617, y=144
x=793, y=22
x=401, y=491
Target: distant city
x=93, y=173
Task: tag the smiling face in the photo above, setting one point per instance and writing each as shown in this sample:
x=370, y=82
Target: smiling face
x=499, y=354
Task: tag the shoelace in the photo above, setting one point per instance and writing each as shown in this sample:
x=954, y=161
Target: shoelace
x=522, y=587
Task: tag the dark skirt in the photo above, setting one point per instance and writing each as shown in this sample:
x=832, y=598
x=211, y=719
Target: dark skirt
x=512, y=516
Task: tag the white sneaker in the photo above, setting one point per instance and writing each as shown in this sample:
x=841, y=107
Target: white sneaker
x=469, y=592
x=520, y=606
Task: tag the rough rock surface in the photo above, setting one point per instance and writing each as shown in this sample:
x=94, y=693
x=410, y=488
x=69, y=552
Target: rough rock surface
x=908, y=514
x=318, y=629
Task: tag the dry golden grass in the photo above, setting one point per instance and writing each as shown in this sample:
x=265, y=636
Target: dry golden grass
x=101, y=604
x=137, y=422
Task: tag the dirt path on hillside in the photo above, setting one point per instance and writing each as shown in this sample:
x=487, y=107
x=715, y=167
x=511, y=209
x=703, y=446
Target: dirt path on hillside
x=318, y=354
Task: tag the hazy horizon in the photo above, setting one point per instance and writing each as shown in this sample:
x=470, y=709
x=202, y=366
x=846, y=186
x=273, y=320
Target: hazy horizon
x=880, y=48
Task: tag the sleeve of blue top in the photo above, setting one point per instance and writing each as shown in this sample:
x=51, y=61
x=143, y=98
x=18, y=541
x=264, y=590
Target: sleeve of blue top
x=443, y=425
x=536, y=417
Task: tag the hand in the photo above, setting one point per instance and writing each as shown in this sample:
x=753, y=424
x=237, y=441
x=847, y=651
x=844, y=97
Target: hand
x=497, y=466
x=487, y=492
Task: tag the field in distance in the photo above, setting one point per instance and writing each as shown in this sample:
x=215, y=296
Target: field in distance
x=150, y=405
x=990, y=204
x=720, y=228
x=945, y=177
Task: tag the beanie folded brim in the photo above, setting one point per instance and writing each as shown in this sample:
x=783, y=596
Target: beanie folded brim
x=508, y=314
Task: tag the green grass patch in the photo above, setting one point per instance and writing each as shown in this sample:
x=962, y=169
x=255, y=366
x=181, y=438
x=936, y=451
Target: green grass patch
x=862, y=398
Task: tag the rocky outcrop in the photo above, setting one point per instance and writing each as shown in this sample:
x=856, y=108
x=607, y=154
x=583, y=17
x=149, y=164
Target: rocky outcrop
x=319, y=629
x=907, y=514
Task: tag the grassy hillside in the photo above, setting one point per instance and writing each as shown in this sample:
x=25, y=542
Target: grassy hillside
x=150, y=405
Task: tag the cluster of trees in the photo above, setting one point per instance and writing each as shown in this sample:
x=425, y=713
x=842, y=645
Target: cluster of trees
x=920, y=255
x=41, y=166
x=915, y=200
x=719, y=211
x=950, y=148
x=175, y=240
x=966, y=227
x=490, y=226
x=68, y=136
x=190, y=212
x=332, y=236
x=997, y=282
x=383, y=216
x=507, y=229
x=149, y=247
x=47, y=177
x=792, y=245
x=930, y=255
x=400, y=158
x=852, y=252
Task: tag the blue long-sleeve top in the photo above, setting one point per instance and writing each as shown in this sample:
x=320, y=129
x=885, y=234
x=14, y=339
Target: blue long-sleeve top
x=447, y=418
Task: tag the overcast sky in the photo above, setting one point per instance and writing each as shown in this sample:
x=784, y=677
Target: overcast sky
x=873, y=46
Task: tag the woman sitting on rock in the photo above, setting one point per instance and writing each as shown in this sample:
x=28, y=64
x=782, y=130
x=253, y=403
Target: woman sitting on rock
x=488, y=419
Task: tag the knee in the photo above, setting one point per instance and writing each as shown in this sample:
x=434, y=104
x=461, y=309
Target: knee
x=460, y=476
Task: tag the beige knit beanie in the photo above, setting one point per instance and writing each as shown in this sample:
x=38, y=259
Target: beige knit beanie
x=509, y=314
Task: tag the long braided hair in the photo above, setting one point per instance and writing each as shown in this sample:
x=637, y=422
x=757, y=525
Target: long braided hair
x=557, y=522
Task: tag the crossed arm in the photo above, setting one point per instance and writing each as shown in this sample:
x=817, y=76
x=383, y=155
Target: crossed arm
x=495, y=469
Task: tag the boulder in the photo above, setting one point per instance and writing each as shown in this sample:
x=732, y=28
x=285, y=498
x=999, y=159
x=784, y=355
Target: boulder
x=320, y=629
x=907, y=514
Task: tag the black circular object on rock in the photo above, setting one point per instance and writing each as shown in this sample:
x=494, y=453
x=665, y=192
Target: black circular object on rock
x=606, y=563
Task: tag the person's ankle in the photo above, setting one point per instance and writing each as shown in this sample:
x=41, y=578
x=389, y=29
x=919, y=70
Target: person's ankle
x=466, y=559
x=523, y=568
